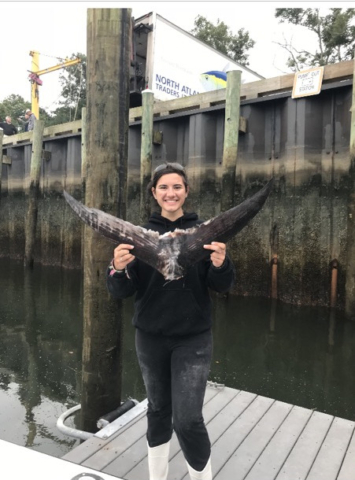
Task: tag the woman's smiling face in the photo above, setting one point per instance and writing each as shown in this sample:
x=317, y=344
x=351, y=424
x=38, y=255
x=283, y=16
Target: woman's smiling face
x=170, y=192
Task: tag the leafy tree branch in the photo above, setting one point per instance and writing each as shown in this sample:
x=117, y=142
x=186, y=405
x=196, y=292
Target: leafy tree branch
x=335, y=35
x=221, y=38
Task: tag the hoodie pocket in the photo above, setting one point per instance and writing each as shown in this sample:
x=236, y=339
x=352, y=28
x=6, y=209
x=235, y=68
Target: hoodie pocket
x=171, y=312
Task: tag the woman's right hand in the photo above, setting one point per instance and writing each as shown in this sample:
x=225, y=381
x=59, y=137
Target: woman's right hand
x=122, y=256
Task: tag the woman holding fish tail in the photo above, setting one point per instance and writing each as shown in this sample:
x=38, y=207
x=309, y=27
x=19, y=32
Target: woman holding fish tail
x=173, y=329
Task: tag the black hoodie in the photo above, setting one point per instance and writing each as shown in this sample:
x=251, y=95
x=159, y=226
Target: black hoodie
x=178, y=307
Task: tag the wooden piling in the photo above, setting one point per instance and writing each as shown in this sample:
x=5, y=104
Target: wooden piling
x=146, y=152
x=83, y=154
x=32, y=193
x=108, y=67
x=350, y=266
x=231, y=133
x=83, y=174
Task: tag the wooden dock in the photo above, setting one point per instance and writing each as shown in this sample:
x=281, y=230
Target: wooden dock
x=253, y=438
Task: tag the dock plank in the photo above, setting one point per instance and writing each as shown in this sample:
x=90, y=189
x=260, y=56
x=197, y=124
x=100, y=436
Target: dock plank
x=123, y=465
x=226, y=444
x=243, y=459
x=116, y=448
x=300, y=459
x=88, y=448
x=331, y=454
x=102, y=453
x=176, y=459
x=347, y=471
x=273, y=457
x=216, y=428
x=253, y=438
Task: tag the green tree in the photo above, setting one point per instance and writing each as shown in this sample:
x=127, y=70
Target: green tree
x=59, y=116
x=14, y=106
x=73, y=94
x=221, y=38
x=334, y=32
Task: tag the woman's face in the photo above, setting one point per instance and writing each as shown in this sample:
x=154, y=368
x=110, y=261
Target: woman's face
x=170, y=193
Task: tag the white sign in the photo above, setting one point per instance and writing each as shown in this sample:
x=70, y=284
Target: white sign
x=307, y=82
x=183, y=66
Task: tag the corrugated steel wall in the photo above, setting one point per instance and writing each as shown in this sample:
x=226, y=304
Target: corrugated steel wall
x=303, y=143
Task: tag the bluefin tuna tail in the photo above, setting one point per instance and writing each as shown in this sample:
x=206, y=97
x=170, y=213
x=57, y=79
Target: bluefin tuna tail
x=229, y=223
x=223, y=227
x=145, y=242
x=174, y=252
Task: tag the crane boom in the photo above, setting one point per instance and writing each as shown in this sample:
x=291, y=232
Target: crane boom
x=36, y=72
x=66, y=63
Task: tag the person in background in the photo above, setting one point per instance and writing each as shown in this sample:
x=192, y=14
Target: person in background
x=173, y=330
x=24, y=122
x=29, y=121
x=8, y=127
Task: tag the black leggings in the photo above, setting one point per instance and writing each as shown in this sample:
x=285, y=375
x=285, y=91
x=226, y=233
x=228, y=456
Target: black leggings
x=175, y=371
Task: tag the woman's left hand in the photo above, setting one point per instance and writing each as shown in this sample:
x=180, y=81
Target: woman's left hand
x=218, y=254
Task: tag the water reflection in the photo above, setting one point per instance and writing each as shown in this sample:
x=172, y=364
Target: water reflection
x=39, y=355
x=303, y=356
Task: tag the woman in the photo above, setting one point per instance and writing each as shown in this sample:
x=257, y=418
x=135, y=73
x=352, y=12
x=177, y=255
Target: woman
x=173, y=330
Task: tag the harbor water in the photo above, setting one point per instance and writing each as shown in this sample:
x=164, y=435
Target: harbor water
x=300, y=355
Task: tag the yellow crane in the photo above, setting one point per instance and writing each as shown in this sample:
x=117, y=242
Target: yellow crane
x=36, y=81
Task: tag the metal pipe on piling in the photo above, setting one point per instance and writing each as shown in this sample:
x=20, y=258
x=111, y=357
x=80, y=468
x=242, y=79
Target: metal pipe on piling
x=146, y=151
x=334, y=283
x=231, y=136
x=274, y=262
x=33, y=191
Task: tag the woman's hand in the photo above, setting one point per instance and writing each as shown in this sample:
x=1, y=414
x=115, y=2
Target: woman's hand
x=218, y=254
x=122, y=256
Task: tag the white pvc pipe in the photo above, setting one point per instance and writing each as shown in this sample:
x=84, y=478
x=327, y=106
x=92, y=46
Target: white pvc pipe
x=72, y=432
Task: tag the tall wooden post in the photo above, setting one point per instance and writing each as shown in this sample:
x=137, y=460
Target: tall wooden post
x=83, y=174
x=146, y=151
x=83, y=154
x=231, y=134
x=350, y=266
x=107, y=123
x=34, y=86
x=33, y=191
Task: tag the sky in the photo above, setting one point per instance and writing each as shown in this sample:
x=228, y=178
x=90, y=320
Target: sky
x=58, y=29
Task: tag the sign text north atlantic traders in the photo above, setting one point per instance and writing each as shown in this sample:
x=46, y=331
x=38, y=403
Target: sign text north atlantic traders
x=173, y=88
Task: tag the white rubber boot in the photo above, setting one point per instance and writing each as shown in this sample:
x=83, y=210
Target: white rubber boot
x=205, y=474
x=158, y=461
